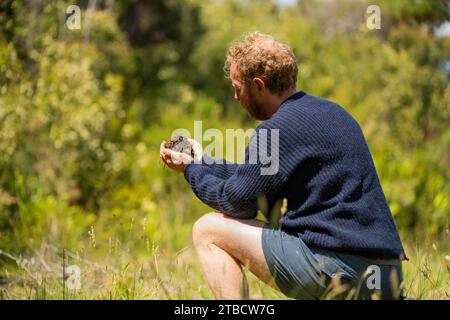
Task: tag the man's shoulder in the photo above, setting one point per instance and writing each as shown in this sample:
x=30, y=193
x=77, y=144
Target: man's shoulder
x=313, y=104
x=303, y=110
x=312, y=119
x=321, y=110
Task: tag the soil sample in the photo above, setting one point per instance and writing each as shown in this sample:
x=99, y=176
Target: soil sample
x=180, y=144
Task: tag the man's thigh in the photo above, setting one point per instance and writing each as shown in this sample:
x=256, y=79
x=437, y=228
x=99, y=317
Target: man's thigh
x=241, y=238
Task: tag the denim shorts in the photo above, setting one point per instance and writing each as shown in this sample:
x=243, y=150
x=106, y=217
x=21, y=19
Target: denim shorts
x=307, y=272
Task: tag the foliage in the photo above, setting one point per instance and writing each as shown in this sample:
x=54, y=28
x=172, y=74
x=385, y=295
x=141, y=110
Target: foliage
x=82, y=114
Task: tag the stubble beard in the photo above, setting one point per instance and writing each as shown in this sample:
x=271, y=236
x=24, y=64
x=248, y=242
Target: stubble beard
x=255, y=108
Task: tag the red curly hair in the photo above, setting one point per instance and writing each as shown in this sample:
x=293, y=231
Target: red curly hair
x=261, y=55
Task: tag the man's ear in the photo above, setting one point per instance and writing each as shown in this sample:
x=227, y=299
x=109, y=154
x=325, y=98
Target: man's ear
x=259, y=85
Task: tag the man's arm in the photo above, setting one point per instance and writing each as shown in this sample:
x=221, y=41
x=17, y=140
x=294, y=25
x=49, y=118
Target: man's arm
x=220, y=168
x=236, y=192
x=236, y=195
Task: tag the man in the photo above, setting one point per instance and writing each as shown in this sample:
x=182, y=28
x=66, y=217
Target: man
x=337, y=237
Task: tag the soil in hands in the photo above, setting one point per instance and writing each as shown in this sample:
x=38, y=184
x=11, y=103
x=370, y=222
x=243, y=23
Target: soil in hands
x=180, y=144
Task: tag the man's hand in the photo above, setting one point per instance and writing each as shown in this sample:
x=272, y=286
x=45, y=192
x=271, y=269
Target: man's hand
x=177, y=161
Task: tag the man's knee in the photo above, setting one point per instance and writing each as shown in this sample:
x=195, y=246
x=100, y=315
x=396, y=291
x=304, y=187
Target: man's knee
x=205, y=228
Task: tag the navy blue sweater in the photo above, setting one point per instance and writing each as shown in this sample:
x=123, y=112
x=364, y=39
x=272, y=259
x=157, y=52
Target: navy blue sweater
x=326, y=173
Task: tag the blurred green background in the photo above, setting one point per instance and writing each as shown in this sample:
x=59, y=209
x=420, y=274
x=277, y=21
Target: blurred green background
x=82, y=114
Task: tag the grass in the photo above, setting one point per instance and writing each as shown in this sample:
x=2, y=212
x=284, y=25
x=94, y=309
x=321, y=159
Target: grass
x=114, y=271
x=428, y=273
x=120, y=276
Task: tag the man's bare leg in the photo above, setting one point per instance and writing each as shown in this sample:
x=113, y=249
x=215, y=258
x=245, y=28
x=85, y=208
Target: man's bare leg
x=223, y=245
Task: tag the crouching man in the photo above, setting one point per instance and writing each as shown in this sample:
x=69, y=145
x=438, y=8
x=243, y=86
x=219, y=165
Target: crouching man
x=337, y=237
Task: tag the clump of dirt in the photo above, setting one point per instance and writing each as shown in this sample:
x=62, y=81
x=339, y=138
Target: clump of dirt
x=180, y=144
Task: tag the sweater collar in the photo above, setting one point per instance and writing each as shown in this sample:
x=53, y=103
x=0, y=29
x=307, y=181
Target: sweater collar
x=295, y=96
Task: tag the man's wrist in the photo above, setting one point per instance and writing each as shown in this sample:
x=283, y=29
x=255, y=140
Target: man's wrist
x=187, y=166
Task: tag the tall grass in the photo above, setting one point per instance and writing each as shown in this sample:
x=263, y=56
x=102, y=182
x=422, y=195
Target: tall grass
x=115, y=271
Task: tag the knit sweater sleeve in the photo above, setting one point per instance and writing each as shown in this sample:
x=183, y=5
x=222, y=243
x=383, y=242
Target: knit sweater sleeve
x=235, y=193
x=220, y=167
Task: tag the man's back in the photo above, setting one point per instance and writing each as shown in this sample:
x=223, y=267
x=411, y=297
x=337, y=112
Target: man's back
x=335, y=200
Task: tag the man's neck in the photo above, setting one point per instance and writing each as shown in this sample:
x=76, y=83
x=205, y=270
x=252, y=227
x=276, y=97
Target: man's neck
x=275, y=101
